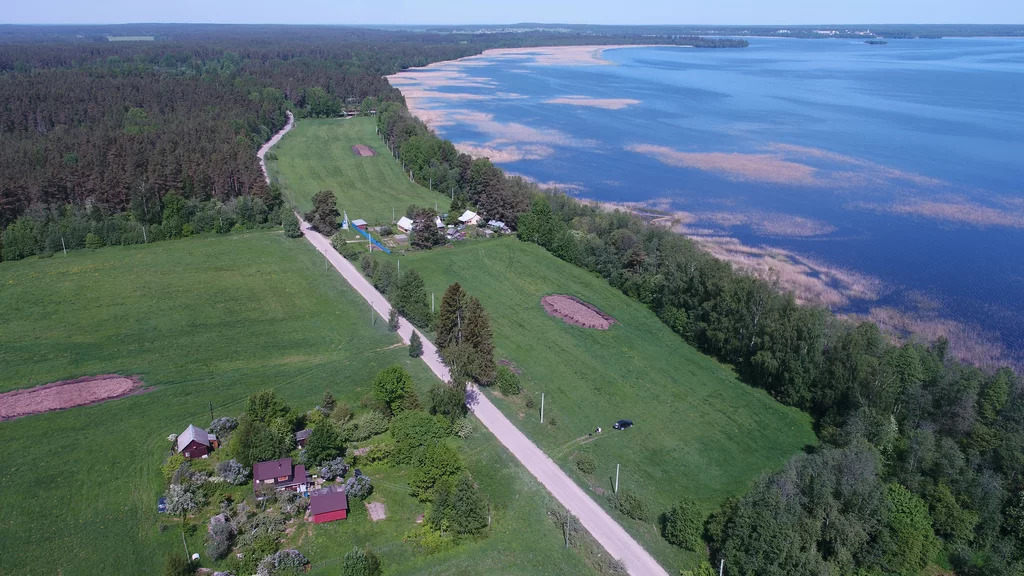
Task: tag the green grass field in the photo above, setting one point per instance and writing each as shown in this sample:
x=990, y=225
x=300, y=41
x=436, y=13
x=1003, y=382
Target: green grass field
x=209, y=319
x=699, y=431
x=317, y=155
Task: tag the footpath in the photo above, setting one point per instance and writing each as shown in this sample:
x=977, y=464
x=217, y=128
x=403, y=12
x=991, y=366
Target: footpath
x=615, y=540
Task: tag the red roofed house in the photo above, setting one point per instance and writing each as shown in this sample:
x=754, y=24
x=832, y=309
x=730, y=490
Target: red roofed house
x=328, y=505
x=195, y=442
x=280, y=475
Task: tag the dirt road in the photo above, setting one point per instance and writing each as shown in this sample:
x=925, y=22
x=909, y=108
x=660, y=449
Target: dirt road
x=604, y=529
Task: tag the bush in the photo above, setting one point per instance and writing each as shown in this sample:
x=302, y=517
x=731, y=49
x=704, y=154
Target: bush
x=508, y=382
x=630, y=505
x=284, y=562
x=586, y=463
x=365, y=426
x=682, y=525
x=463, y=428
x=448, y=400
x=290, y=223
x=223, y=427
x=93, y=241
x=334, y=469
x=358, y=487
x=529, y=402
x=233, y=472
x=361, y=563
x=171, y=466
x=177, y=565
x=324, y=443
x=219, y=540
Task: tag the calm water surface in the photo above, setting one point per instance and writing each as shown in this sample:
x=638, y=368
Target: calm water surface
x=903, y=163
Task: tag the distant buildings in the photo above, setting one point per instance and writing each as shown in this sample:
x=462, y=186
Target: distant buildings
x=405, y=224
x=469, y=218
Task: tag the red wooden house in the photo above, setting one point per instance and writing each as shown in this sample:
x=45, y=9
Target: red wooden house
x=195, y=442
x=279, y=475
x=328, y=505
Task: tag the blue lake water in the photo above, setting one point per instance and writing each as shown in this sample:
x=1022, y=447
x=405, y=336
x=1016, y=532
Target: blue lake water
x=893, y=175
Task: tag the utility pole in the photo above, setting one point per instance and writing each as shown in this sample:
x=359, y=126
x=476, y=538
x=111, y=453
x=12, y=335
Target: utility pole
x=721, y=567
x=144, y=239
x=616, y=478
x=63, y=246
x=392, y=214
x=541, y=407
x=431, y=302
x=211, y=411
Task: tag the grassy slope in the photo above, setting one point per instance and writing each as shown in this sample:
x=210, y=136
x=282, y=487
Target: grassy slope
x=316, y=155
x=207, y=319
x=699, y=432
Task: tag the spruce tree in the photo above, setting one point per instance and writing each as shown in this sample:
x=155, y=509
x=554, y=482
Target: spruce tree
x=328, y=402
x=478, y=334
x=468, y=509
x=410, y=297
x=393, y=320
x=451, y=316
x=415, y=345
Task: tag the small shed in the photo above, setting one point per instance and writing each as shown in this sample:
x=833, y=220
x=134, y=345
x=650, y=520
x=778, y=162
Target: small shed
x=405, y=224
x=359, y=223
x=301, y=436
x=328, y=505
x=470, y=218
x=496, y=224
x=195, y=442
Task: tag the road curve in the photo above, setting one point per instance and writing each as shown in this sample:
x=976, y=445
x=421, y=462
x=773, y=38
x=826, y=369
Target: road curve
x=599, y=523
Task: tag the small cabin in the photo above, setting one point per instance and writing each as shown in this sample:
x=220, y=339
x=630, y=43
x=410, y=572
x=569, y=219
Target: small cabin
x=469, y=218
x=279, y=475
x=328, y=505
x=195, y=442
x=405, y=224
x=301, y=436
x=359, y=223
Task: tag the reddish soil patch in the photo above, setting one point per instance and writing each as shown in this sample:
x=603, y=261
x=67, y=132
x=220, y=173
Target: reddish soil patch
x=363, y=150
x=574, y=311
x=67, y=394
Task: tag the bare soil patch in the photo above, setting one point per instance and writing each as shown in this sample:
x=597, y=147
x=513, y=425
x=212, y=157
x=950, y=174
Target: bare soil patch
x=574, y=311
x=67, y=394
x=376, y=510
x=363, y=150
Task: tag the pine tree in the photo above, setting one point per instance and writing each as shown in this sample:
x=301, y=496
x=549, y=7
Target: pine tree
x=468, y=509
x=328, y=402
x=393, y=320
x=415, y=346
x=410, y=297
x=478, y=334
x=450, y=317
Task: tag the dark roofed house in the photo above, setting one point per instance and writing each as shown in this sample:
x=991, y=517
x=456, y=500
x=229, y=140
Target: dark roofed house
x=195, y=442
x=301, y=436
x=328, y=505
x=280, y=475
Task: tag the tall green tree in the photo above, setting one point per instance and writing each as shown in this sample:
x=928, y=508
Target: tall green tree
x=469, y=510
x=450, y=317
x=392, y=389
x=478, y=334
x=912, y=540
x=448, y=400
x=415, y=345
x=425, y=233
x=324, y=215
x=410, y=298
x=324, y=443
x=264, y=406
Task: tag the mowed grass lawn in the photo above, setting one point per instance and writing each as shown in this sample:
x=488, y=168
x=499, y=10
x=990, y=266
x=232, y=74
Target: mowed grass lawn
x=699, y=431
x=209, y=319
x=317, y=155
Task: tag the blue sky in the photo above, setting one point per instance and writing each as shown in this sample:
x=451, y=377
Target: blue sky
x=509, y=11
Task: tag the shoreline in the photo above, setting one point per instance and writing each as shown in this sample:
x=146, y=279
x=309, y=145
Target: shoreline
x=849, y=293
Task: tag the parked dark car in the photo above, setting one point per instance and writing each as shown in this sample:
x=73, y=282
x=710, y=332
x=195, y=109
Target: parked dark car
x=623, y=424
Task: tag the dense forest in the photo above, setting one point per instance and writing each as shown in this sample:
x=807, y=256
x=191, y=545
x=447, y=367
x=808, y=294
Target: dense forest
x=921, y=457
